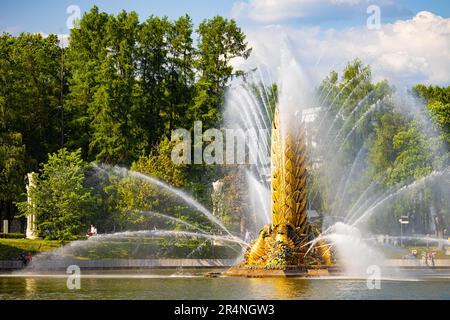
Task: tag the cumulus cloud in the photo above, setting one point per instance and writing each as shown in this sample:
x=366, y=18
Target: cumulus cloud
x=63, y=38
x=278, y=10
x=405, y=52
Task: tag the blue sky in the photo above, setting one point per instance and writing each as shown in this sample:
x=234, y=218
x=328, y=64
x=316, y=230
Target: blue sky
x=50, y=16
x=410, y=46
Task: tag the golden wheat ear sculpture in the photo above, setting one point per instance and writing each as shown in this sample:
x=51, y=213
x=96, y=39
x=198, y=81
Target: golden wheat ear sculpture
x=284, y=242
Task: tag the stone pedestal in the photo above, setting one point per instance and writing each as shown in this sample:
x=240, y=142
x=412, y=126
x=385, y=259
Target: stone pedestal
x=31, y=231
x=5, y=226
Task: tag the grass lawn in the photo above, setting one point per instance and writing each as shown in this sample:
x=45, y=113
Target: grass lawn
x=129, y=248
x=10, y=249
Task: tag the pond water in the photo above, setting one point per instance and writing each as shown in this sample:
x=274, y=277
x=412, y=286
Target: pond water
x=192, y=284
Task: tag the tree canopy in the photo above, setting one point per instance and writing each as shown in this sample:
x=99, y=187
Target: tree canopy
x=113, y=96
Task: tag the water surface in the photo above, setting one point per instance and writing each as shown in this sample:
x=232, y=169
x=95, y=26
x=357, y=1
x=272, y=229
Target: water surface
x=186, y=284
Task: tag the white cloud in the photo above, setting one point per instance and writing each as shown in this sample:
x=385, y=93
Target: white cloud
x=63, y=38
x=405, y=52
x=278, y=10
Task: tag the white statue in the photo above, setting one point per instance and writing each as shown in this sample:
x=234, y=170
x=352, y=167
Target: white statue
x=217, y=198
x=31, y=217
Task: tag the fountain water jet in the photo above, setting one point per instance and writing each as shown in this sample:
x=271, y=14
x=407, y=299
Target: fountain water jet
x=186, y=198
x=280, y=245
x=66, y=255
x=167, y=217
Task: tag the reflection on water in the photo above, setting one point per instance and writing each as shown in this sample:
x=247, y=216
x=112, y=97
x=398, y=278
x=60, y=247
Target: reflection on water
x=30, y=287
x=193, y=285
x=279, y=288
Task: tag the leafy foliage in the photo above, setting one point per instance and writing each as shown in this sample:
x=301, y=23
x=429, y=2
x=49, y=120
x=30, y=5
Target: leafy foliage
x=59, y=199
x=117, y=91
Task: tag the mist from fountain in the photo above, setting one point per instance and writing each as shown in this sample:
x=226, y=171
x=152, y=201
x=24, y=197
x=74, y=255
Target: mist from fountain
x=353, y=250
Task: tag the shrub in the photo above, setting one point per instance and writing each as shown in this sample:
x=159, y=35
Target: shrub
x=12, y=235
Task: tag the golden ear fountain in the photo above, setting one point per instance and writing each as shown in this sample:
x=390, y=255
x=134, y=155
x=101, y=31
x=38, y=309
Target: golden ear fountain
x=286, y=247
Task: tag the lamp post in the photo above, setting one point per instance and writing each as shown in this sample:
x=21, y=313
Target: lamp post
x=403, y=220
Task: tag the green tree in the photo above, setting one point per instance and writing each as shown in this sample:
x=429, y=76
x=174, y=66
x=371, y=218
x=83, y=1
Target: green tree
x=437, y=101
x=220, y=41
x=180, y=72
x=152, y=57
x=84, y=57
x=433, y=93
x=413, y=160
x=30, y=125
x=12, y=168
x=61, y=201
x=159, y=164
x=382, y=153
x=441, y=115
x=438, y=104
x=116, y=135
x=30, y=90
x=399, y=153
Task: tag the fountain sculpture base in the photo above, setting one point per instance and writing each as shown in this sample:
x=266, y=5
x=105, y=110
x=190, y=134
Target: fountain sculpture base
x=288, y=271
x=283, y=251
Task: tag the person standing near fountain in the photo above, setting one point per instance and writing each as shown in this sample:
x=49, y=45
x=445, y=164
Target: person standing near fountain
x=92, y=231
x=431, y=258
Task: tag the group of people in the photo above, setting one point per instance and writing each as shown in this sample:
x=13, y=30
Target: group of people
x=427, y=257
x=25, y=258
